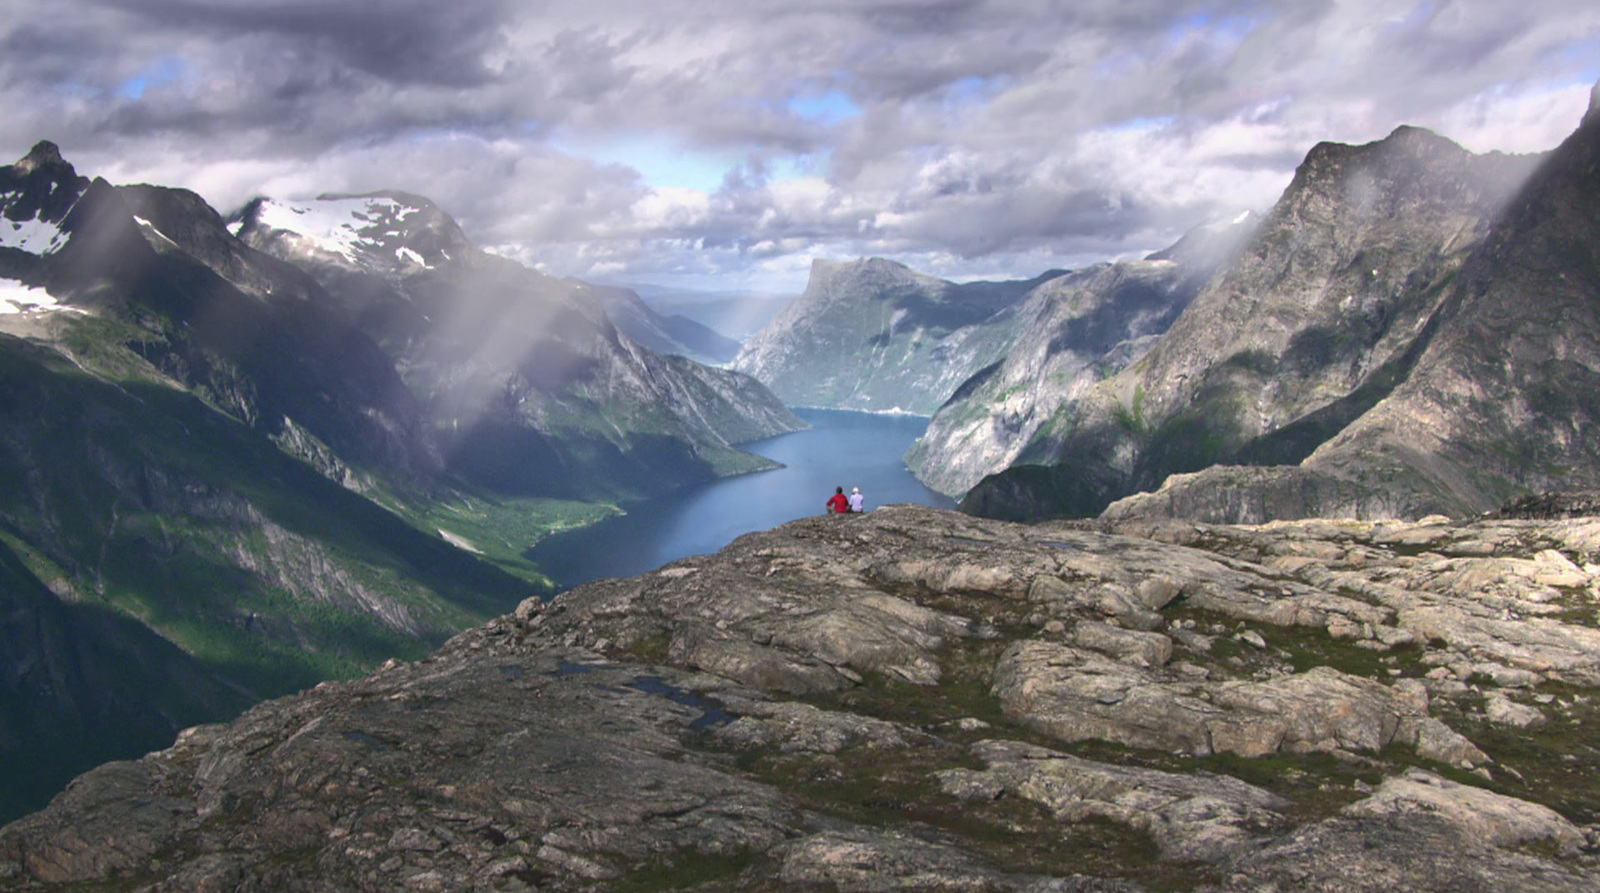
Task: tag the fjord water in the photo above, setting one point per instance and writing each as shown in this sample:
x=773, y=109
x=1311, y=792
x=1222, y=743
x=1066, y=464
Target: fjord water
x=841, y=449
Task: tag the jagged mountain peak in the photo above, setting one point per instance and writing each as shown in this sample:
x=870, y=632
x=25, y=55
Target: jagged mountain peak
x=1321, y=316
x=35, y=195
x=43, y=154
x=1380, y=172
x=862, y=263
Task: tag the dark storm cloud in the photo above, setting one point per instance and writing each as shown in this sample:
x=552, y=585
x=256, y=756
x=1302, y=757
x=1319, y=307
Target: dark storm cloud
x=405, y=41
x=635, y=138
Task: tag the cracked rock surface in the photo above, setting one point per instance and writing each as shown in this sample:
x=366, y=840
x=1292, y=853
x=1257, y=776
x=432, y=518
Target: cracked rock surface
x=918, y=699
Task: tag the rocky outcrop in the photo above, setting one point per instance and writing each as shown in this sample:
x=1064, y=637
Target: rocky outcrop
x=1310, y=353
x=1190, y=818
x=919, y=699
x=876, y=336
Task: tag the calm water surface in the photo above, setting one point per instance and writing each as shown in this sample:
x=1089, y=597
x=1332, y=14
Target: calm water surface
x=842, y=449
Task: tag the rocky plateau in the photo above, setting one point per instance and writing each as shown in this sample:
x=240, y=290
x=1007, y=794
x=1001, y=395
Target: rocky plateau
x=919, y=699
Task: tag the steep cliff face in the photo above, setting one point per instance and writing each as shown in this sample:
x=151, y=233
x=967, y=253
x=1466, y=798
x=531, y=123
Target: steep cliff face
x=1500, y=398
x=918, y=699
x=874, y=335
x=1329, y=309
x=1506, y=397
x=1081, y=328
x=526, y=385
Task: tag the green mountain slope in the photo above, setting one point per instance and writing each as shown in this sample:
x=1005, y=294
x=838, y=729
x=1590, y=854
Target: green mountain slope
x=129, y=501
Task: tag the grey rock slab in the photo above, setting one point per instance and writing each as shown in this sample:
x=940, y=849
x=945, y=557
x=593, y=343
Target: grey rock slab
x=1414, y=852
x=1190, y=817
x=1483, y=815
x=1074, y=695
x=863, y=861
x=564, y=762
x=1148, y=649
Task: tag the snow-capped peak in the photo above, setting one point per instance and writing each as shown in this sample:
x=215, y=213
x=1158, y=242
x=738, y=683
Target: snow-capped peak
x=378, y=233
x=345, y=227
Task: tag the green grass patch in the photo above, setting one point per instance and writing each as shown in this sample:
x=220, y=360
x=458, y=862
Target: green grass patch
x=1556, y=764
x=503, y=529
x=692, y=869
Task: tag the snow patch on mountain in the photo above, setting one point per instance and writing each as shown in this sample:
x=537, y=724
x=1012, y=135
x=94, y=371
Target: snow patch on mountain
x=18, y=298
x=33, y=236
x=407, y=255
x=356, y=229
x=151, y=227
x=334, y=227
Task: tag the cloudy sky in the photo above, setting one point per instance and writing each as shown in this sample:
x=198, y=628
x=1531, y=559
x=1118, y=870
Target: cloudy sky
x=722, y=144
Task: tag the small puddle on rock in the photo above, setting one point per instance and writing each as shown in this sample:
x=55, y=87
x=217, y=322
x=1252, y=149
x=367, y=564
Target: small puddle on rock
x=368, y=740
x=968, y=541
x=711, y=714
x=567, y=668
x=1060, y=545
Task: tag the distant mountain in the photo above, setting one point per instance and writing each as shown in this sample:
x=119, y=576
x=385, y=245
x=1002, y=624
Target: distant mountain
x=875, y=335
x=525, y=382
x=1082, y=328
x=737, y=316
x=1386, y=345
x=662, y=334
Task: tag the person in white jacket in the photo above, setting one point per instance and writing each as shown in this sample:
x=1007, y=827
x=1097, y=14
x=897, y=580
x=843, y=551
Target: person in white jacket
x=857, y=501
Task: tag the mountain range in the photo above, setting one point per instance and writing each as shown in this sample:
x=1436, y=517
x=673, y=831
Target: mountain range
x=239, y=456
x=877, y=336
x=1410, y=330
x=227, y=473
x=1377, y=350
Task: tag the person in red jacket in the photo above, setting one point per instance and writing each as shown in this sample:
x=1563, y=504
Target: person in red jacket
x=838, y=505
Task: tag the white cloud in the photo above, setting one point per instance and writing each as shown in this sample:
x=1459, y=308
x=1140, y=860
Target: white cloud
x=636, y=138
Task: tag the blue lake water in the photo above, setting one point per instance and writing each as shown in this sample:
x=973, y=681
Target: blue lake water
x=841, y=449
